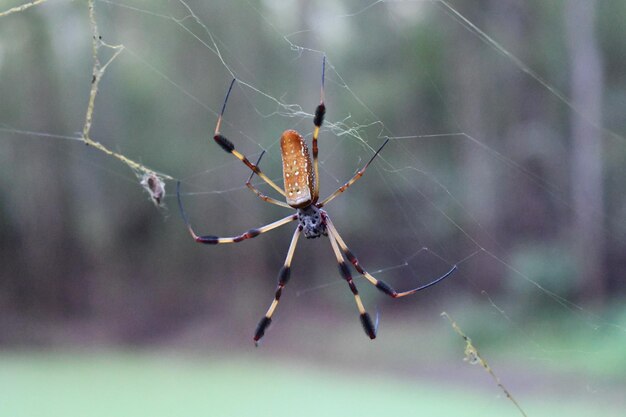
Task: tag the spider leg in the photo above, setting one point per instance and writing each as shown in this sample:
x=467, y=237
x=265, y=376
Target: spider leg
x=366, y=320
x=352, y=180
x=381, y=285
x=320, y=110
x=261, y=195
x=283, y=278
x=228, y=146
x=214, y=240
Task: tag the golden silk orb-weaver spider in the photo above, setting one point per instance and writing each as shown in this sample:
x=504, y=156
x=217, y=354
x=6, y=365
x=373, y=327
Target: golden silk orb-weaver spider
x=301, y=192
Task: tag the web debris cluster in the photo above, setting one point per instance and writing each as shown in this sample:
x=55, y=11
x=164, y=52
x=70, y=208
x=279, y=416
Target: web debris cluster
x=150, y=180
x=473, y=357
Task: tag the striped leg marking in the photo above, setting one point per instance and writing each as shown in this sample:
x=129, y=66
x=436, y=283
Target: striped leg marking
x=381, y=285
x=318, y=119
x=261, y=195
x=283, y=278
x=352, y=180
x=215, y=240
x=366, y=320
x=230, y=148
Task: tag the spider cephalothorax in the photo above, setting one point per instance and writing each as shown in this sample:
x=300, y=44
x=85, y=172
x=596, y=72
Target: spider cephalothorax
x=301, y=192
x=311, y=221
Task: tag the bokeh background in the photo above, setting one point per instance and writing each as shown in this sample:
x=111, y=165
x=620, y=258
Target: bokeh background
x=507, y=151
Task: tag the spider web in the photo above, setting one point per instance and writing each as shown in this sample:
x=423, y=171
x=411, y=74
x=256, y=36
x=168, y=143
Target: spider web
x=426, y=204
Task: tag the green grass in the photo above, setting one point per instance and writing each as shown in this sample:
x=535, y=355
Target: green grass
x=154, y=385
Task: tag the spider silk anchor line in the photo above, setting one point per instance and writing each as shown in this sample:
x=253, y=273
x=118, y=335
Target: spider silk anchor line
x=301, y=192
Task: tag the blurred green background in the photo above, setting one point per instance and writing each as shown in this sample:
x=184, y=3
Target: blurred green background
x=506, y=159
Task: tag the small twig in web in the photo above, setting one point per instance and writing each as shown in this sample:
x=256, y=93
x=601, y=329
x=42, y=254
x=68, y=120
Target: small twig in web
x=18, y=9
x=473, y=357
x=98, y=72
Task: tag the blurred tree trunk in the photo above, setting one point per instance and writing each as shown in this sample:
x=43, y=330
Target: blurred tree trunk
x=46, y=276
x=479, y=177
x=586, y=174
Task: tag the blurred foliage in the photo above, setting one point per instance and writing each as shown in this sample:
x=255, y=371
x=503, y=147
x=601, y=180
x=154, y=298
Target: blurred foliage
x=484, y=170
x=82, y=245
x=550, y=266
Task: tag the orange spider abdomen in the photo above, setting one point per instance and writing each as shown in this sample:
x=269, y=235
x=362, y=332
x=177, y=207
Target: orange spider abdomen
x=297, y=170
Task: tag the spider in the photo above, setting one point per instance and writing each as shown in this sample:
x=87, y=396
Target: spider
x=301, y=192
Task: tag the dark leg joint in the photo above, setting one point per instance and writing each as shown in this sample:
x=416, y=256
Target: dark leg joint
x=253, y=233
x=209, y=240
x=343, y=268
x=283, y=275
x=384, y=287
x=320, y=111
x=224, y=143
x=351, y=257
x=260, y=329
x=368, y=326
